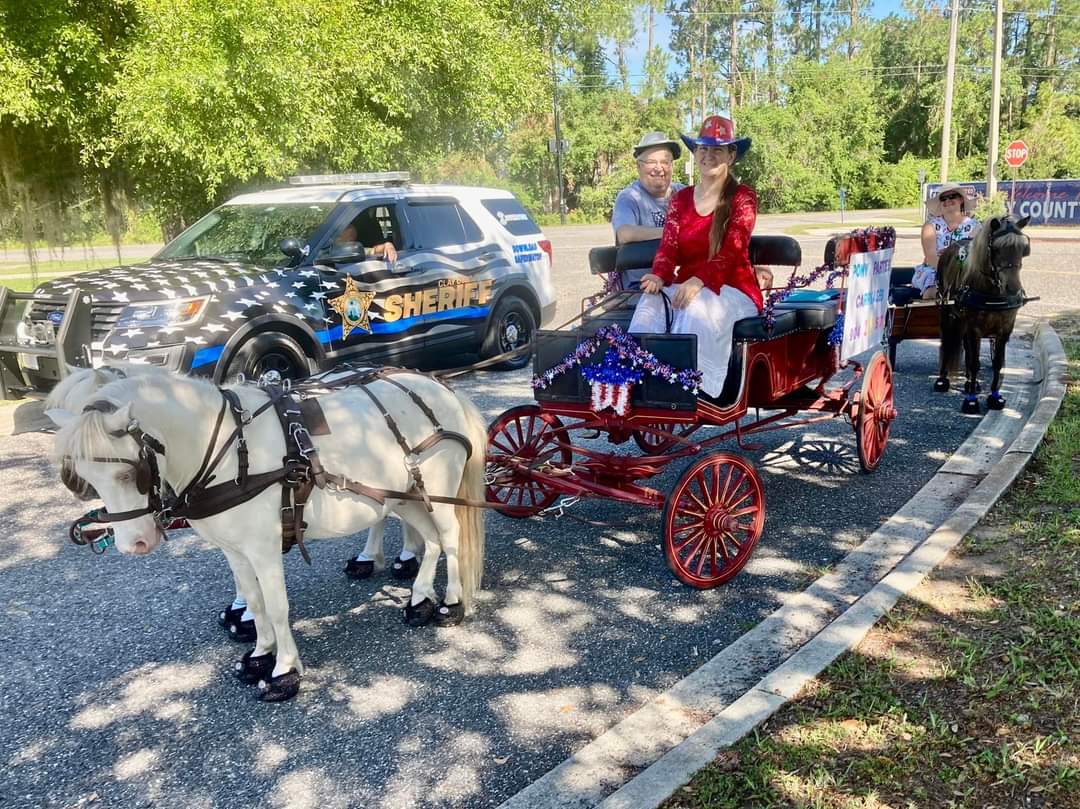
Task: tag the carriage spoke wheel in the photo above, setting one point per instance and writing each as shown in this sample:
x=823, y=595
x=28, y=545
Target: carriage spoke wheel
x=713, y=519
x=876, y=412
x=523, y=434
x=654, y=444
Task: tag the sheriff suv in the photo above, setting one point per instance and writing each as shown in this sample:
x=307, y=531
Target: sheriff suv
x=289, y=280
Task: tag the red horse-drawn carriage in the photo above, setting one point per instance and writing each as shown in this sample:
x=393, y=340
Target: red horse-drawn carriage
x=780, y=366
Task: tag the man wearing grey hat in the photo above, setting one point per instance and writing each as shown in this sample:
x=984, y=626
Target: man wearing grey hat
x=641, y=207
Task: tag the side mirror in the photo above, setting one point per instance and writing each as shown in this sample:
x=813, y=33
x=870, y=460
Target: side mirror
x=292, y=248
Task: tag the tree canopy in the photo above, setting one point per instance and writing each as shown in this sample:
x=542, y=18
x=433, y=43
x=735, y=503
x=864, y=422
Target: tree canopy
x=173, y=106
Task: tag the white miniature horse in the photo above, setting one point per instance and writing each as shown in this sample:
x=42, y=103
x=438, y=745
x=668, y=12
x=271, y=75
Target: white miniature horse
x=180, y=413
x=80, y=387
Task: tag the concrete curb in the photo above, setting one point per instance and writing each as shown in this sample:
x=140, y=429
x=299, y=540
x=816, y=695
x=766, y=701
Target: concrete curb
x=667, y=740
x=659, y=781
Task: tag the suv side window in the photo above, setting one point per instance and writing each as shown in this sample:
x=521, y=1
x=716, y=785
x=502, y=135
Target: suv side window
x=440, y=224
x=514, y=218
x=370, y=227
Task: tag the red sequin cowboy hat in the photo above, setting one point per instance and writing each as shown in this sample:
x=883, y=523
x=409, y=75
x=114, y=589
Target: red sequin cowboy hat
x=716, y=130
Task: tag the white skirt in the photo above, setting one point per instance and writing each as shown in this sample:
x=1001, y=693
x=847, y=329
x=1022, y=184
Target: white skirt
x=710, y=316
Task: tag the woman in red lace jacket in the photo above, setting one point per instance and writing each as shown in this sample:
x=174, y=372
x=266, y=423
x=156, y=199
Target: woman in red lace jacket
x=703, y=263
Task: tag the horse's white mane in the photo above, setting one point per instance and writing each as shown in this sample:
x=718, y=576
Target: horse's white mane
x=86, y=436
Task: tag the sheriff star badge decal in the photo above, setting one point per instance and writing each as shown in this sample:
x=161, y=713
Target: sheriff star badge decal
x=352, y=305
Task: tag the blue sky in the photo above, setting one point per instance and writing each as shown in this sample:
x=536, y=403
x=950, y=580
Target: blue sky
x=662, y=33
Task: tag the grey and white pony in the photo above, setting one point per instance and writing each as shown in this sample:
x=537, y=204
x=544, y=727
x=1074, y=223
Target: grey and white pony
x=80, y=387
x=100, y=448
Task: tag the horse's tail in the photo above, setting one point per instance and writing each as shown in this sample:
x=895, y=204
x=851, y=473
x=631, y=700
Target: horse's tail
x=470, y=518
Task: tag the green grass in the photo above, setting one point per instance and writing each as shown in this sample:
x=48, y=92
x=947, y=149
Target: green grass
x=967, y=694
x=11, y=274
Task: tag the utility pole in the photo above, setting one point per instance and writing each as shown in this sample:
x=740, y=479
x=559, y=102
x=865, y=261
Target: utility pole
x=995, y=104
x=946, y=129
x=734, y=61
x=558, y=133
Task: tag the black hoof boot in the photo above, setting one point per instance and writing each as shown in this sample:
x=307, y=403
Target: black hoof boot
x=970, y=407
x=941, y=385
x=242, y=631
x=421, y=614
x=357, y=569
x=449, y=614
x=252, y=669
x=995, y=401
x=278, y=689
x=405, y=569
x=230, y=615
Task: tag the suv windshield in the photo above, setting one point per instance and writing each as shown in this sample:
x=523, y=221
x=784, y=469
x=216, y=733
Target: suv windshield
x=248, y=232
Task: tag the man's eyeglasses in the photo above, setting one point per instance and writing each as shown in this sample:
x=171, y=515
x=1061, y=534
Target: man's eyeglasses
x=655, y=164
x=950, y=198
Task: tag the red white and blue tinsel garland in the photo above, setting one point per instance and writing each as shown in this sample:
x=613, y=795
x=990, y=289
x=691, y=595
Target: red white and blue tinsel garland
x=626, y=353
x=863, y=239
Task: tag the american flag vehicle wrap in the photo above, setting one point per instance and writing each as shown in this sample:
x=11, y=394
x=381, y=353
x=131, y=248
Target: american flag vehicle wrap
x=471, y=273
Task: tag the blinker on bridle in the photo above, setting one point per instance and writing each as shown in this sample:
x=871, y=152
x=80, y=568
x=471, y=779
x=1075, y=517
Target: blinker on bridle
x=147, y=477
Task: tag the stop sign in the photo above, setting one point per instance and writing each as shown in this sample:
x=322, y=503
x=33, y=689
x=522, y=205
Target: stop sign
x=1016, y=153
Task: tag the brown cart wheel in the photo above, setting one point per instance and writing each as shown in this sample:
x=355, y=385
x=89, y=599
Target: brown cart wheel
x=524, y=434
x=713, y=520
x=653, y=444
x=876, y=411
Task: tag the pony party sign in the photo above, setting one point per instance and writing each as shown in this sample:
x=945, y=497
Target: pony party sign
x=867, y=304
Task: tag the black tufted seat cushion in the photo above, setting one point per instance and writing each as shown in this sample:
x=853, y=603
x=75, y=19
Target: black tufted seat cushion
x=752, y=329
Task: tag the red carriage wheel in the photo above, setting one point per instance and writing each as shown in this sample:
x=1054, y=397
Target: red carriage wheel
x=523, y=434
x=654, y=444
x=713, y=520
x=876, y=412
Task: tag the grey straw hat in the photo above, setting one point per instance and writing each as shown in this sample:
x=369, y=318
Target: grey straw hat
x=652, y=139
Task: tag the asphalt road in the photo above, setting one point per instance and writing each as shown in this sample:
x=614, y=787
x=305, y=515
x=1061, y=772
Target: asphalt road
x=115, y=689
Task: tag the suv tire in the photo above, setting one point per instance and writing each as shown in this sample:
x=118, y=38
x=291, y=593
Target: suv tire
x=512, y=326
x=265, y=352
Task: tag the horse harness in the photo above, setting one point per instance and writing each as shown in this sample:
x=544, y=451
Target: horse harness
x=301, y=470
x=981, y=301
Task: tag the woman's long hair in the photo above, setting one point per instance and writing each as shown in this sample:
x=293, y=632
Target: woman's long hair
x=722, y=214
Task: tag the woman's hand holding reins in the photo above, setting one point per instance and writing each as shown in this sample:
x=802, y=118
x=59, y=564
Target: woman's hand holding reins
x=686, y=292
x=651, y=283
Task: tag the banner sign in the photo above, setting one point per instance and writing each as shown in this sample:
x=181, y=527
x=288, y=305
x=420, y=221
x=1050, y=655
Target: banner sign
x=866, y=305
x=1047, y=202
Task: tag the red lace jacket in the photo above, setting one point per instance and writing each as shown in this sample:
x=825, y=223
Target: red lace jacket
x=685, y=245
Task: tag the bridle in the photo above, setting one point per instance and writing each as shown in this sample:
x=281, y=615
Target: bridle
x=994, y=271
x=147, y=474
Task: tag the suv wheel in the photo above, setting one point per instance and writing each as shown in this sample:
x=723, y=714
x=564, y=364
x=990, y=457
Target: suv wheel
x=512, y=326
x=269, y=352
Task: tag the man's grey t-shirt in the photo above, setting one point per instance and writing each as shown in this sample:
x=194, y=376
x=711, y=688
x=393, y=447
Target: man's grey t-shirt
x=636, y=206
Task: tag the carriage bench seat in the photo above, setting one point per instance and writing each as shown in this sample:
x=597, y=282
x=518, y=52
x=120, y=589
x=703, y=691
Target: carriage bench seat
x=752, y=329
x=814, y=309
x=901, y=292
x=634, y=259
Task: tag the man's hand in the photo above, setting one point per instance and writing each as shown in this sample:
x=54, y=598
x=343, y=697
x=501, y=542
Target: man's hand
x=651, y=283
x=764, y=277
x=687, y=292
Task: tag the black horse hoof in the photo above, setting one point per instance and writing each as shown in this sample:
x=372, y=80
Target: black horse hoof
x=405, y=569
x=230, y=615
x=357, y=569
x=242, y=631
x=970, y=407
x=941, y=385
x=421, y=614
x=252, y=669
x=278, y=689
x=995, y=401
x=449, y=614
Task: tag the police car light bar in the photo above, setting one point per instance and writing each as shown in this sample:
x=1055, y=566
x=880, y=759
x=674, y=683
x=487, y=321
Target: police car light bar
x=364, y=178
